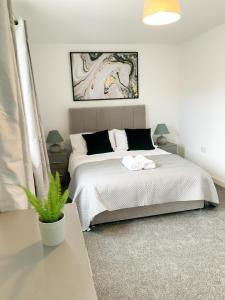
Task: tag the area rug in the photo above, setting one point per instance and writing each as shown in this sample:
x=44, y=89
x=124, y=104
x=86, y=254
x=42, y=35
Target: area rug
x=174, y=256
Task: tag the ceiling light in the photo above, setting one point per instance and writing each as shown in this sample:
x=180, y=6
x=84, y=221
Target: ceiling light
x=161, y=12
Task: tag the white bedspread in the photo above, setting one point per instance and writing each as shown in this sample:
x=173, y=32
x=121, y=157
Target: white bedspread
x=77, y=160
x=100, y=182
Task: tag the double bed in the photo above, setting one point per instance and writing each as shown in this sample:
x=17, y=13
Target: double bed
x=105, y=191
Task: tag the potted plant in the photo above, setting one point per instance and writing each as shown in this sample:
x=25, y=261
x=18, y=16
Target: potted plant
x=50, y=212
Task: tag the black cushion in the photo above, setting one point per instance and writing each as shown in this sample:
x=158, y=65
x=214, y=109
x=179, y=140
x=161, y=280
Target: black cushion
x=139, y=139
x=98, y=142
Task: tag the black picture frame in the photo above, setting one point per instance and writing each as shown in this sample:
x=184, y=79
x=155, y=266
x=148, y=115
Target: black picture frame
x=108, y=52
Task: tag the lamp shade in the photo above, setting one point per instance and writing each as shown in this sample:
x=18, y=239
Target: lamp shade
x=161, y=12
x=161, y=129
x=54, y=137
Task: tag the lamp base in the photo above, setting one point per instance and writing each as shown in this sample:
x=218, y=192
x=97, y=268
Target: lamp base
x=55, y=148
x=161, y=140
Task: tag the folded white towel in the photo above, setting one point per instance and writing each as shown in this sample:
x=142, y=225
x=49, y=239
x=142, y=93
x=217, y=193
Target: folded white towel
x=146, y=163
x=131, y=164
x=138, y=162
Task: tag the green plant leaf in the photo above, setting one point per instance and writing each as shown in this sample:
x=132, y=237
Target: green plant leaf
x=50, y=209
x=35, y=202
x=63, y=200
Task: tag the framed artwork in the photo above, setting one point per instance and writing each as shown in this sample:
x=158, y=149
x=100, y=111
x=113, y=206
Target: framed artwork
x=104, y=75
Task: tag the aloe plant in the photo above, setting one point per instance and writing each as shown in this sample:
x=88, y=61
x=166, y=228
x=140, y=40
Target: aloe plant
x=50, y=209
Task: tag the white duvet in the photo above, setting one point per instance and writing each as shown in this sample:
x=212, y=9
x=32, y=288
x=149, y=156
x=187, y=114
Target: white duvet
x=100, y=182
x=77, y=159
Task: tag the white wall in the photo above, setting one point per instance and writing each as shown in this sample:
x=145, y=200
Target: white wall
x=202, y=117
x=183, y=86
x=158, y=83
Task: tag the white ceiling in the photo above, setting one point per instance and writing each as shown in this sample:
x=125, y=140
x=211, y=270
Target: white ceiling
x=113, y=21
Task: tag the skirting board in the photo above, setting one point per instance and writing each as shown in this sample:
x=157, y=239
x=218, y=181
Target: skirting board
x=219, y=182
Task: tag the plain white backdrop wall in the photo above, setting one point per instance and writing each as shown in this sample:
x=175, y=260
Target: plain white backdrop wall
x=158, y=83
x=202, y=116
x=181, y=85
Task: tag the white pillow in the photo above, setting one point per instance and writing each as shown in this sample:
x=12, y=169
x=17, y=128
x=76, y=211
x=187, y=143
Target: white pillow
x=112, y=139
x=121, y=140
x=79, y=145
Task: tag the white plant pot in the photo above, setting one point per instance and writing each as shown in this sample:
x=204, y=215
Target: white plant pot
x=52, y=234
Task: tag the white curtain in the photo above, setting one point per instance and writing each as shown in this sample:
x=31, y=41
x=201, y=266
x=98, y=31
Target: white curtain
x=36, y=137
x=23, y=158
x=15, y=159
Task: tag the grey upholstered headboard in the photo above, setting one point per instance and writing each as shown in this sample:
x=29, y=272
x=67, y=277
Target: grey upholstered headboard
x=92, y=119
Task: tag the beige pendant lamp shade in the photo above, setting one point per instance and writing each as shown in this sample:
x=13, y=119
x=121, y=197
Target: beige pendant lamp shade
x=161, y=12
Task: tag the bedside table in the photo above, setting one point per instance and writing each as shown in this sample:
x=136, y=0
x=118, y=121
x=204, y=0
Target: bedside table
x=59, y=163
x=169, y=147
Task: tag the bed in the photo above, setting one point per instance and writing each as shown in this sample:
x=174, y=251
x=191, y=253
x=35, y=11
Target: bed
x=105, y=191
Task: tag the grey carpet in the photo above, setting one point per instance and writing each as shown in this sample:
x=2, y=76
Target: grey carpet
x=177, y=256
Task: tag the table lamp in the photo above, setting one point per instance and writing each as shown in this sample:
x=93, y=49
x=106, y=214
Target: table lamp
x=54, y=139
x=160, y=130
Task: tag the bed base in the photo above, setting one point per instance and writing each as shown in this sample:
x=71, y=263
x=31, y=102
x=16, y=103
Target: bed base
x=146, y=211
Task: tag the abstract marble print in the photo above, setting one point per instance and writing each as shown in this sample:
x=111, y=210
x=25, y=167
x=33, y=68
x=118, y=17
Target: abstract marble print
x=104, y=75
